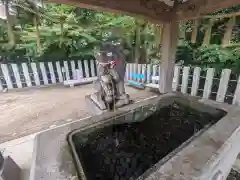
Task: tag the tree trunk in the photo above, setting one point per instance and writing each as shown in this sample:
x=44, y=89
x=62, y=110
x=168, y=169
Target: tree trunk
x=155, y=32
x=155, y=29
x=137, y=44
x=182, y=34
x=10, y=32
x=145, y=47
x=228, y=32
x=61, y=36
x=38, y=40
x=208, y=33
x=194, y=31
x=158, y=36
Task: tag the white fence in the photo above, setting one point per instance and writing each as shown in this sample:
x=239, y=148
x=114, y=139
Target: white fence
x=207, y=83
x=43, y=73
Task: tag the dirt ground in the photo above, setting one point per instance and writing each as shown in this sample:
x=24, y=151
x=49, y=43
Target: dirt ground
x=28, y=111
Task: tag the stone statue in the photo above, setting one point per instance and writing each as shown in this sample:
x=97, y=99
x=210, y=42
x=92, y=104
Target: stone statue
x=110, y=88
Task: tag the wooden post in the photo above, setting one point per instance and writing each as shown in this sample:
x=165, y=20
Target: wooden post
x=208, y=32
x=168, y=49
x=194, y=31
x=228, y=32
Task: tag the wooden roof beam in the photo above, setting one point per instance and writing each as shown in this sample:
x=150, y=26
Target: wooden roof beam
x=152, y=10
x=195, y=8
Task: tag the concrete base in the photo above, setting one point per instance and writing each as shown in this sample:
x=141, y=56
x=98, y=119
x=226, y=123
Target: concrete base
x=214, y=150
x=23, y=159
x=11, y=170
x=94, y=108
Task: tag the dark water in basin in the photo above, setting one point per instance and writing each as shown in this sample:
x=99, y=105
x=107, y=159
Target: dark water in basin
x=126, y=151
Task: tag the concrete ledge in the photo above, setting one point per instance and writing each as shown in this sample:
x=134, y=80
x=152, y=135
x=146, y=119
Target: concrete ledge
x=76, y=82
x=152, y=85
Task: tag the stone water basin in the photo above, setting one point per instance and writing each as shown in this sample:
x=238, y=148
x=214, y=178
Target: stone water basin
x=166, y=137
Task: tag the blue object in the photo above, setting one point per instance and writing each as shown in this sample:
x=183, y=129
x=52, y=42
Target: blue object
x=138, y=76
x=135, y=83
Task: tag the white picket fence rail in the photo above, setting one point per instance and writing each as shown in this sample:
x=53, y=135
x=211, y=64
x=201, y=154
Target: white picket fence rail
x=44, y=73
x=206, y=83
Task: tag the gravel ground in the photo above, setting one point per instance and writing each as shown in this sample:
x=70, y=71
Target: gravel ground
x=28, y=111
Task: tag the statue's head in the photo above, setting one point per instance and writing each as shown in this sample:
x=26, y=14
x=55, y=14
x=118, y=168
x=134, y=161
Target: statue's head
x=109, y=51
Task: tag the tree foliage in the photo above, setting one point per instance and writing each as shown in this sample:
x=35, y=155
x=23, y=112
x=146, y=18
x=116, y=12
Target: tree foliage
x=58, y=31
x=44, y=31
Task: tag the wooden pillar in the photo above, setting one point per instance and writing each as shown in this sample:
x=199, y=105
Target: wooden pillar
x=168, y=53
